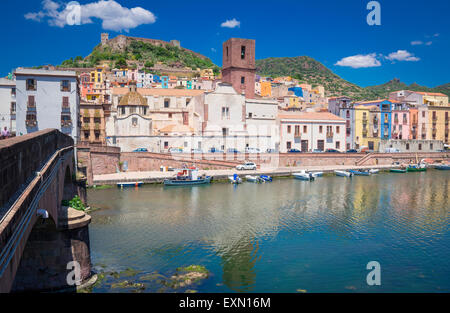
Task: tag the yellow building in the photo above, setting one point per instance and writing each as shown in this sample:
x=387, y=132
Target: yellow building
x=266, y=89
x=367, y=127
x=207, y=73
x=438, y=115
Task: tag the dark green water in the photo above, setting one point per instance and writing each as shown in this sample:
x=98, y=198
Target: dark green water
x=281, y=236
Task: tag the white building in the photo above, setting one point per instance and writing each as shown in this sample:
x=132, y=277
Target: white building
x=309, y=131
x=233, y=122
x=8, y=105
x=47, y=99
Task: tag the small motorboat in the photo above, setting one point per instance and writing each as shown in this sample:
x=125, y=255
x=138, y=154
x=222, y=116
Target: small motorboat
x=374, y=171
x=317, y=174
x=397, y=170
x=253, y=179
x=235, y=179
x=416, y=168
x=343, y=173
x=130, y=184
x=442, y=167
x=266, y=178
x=187, y=177
x=360, y=172
x=303, y=175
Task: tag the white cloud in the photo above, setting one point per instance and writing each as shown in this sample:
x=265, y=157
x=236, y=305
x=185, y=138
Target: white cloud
x=360, y=61
x=428, y=43
x=114, y=16
x=436, y=35
x=231, y=23
x=402, y=55
x=213, y=50
x=416, y=42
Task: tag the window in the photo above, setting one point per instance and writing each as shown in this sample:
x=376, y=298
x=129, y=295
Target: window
x=320, y=129
x=338, y=144
x=423, y=113
x=225, y=113
x=289, y=129
x=420, y=146
x=170, y=115
x=166, y=144
x=227, y=52
x=288, y=145
x=242, y=52
x=250, y=115
x=13, y=91
x=297, y=130
x=166, y=103
x=187, y=101
x=407, y=146
x=65, y=102
x=224, y=131
x=13, y=108
x=431, y=146
x=86, y=135
x=31, y=102
x=97, y=136
x=65, y=85
x=134, y=121
x=31, y=84
x=348, y=114
x=122, y=110
x=242, y=80
x=337, y=129
x=132, y=110
x=305, y=129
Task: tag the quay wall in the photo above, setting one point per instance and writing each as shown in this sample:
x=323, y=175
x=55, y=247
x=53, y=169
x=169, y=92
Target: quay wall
x=99, y=160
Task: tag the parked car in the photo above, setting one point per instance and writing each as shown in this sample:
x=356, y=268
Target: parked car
x=246, y=166
x=317, y=151
x=175, y=150
x=252, y=150
x=271, y=151
x=196, y=151
x=332, y=151
x=233, y=150
x=215, y=150
x=352, y=151
x=391, y=150
x=294, y=151
x=140, y=150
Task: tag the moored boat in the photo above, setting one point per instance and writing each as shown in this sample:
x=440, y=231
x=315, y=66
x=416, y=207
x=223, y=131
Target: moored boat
x=343, y=173
x=442, y=167
x=187, y=177
x=397, y=170
x=360, y=172
x=253, y=179
x=374, y=171
x=416, y=168
x=235, y=179
x=266, y=178
x=130, y=184
x=317, y=174
x=303, y=175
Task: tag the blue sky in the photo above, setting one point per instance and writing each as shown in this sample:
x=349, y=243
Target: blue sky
x=412, y=42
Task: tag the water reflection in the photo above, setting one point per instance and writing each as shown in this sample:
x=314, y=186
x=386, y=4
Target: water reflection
x=262, y=237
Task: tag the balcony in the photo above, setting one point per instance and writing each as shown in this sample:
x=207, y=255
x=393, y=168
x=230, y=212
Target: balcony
x=97, y=126
x=86, y=127
x=329, y=134
x=364, y=121
x=66, y=123
x=31, y=104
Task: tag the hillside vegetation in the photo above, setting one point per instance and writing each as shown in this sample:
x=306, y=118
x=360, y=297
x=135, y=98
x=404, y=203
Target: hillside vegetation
x=310, y=71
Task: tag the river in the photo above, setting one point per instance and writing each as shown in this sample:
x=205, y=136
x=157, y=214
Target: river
x=284, y=236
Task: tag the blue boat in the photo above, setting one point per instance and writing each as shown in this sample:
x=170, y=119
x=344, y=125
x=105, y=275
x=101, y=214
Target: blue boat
x=130, y=184
x=359, y=172
x=442, y=167
x=303, y=175
x=235, y=179
x=266, y=178
x=187, y=177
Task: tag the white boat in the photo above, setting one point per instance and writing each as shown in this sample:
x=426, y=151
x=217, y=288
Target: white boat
x=303, y=175
x=374, y=171
x=253, y=179
x=235, y=179
x=317, y=174
x=343, y=173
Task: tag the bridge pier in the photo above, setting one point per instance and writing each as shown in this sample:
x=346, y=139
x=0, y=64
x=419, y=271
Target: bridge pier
x=43, y=266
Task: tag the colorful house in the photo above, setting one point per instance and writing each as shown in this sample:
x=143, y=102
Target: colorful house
x=165, y=82
x=297, y=91
x=401, y=120
x=266, y=89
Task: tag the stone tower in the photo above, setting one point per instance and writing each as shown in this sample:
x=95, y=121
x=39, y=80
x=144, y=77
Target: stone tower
x=238, y=65
x=105, y=38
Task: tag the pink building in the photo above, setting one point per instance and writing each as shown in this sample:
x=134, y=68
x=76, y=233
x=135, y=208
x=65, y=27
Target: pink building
x=400, y=120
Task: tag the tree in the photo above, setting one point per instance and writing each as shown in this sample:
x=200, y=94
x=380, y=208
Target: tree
x=121, y=63
x=149, y=64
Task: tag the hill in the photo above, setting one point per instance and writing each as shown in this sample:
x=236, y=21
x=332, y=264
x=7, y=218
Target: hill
x=310, y=71
x=149, y=54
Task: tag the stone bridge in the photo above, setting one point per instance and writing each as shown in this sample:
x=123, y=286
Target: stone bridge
x=39, y=237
